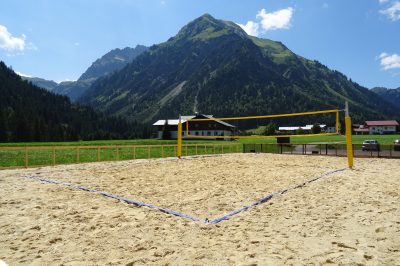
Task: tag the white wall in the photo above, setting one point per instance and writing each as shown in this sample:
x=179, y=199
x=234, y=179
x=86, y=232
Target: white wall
x=174, y=134
x=380, y=129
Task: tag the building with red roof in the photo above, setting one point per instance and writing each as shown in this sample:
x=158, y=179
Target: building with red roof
x=382, y=127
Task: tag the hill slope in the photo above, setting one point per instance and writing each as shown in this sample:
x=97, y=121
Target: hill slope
x=213, y=66
x=112, y=61
x=49, y=85
x=390, y=95
x=29, y=113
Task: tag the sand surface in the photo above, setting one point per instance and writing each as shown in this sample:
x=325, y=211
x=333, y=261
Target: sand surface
x=346, y=218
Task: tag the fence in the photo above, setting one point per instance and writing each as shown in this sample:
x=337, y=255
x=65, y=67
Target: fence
x=331, y=149
x=19, y=157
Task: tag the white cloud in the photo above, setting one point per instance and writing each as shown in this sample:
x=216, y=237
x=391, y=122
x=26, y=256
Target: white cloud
x=276, y=20
x=393, y=12
x=9, y=42
x=251, y=28
x=280, y=19
x=389, y=61
x=382, y=1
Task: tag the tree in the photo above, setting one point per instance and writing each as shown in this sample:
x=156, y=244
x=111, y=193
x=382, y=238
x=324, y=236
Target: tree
x=166, y=134
x=270, y=129
x=316, y=129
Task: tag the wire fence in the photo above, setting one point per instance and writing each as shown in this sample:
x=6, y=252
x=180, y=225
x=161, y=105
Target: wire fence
x=23, y=157
x=20, y=157
x=330, y=149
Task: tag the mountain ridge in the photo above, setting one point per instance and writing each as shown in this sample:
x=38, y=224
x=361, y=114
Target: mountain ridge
x=110, y=62
x=227, y=73
x=390, y=95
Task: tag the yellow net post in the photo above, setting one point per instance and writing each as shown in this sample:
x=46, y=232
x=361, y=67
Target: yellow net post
x=349, y=141
x=179, y=138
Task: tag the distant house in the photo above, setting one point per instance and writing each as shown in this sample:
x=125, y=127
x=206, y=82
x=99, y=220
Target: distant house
x=306, y=129
x=195, y=128
x=382, y=127
x=360, y=130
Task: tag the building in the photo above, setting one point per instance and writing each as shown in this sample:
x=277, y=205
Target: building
x=195, y=128
x=382, y=127
x=305, y=129
x=361, y=130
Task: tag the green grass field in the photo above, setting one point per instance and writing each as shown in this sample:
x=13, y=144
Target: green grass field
x=52, y=153
x=357, y=139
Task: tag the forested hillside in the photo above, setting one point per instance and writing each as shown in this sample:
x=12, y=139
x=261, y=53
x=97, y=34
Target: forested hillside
x=213, y=67
x=29, y=113
x=390, y=95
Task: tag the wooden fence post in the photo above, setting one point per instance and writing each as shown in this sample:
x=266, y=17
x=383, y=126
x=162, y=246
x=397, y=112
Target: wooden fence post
x=98, y=154
x=117, y=153
x=78, y=155
x=26, y=157
x=54, y=155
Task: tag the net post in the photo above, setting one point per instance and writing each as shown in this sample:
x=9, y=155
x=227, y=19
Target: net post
x=179, y=138
x=337, y=122
x=349, y=141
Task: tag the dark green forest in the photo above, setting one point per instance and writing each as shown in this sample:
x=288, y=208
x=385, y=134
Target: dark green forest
x=29, y=113
x=390, y=95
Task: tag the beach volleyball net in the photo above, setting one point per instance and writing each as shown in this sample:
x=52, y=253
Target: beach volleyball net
x=238, y=125
x=320, y=123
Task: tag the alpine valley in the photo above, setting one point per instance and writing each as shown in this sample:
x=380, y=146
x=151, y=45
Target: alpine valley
x=213, y=67
x=110, y=62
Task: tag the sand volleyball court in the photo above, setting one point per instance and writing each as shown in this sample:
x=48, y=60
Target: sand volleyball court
x=350, y=217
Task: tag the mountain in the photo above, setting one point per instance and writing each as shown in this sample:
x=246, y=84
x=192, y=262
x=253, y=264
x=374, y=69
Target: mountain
x=212, y=66
x=112, y=61
x=42, y=83
x=390, y=95
x=73, y=89
x=30, y=113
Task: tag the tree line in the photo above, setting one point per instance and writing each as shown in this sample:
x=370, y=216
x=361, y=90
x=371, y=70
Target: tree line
x=30, y=113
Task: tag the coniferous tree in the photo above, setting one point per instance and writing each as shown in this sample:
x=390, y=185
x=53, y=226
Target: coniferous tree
x=166, y=134
x=29, y=113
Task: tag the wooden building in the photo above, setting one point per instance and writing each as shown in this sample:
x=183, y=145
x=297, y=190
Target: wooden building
x=207, y=128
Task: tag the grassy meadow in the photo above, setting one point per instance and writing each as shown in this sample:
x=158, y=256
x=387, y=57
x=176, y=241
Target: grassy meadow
x=25, y=154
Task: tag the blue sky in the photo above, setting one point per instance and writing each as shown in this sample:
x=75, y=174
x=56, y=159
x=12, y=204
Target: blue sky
x=59, y=39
